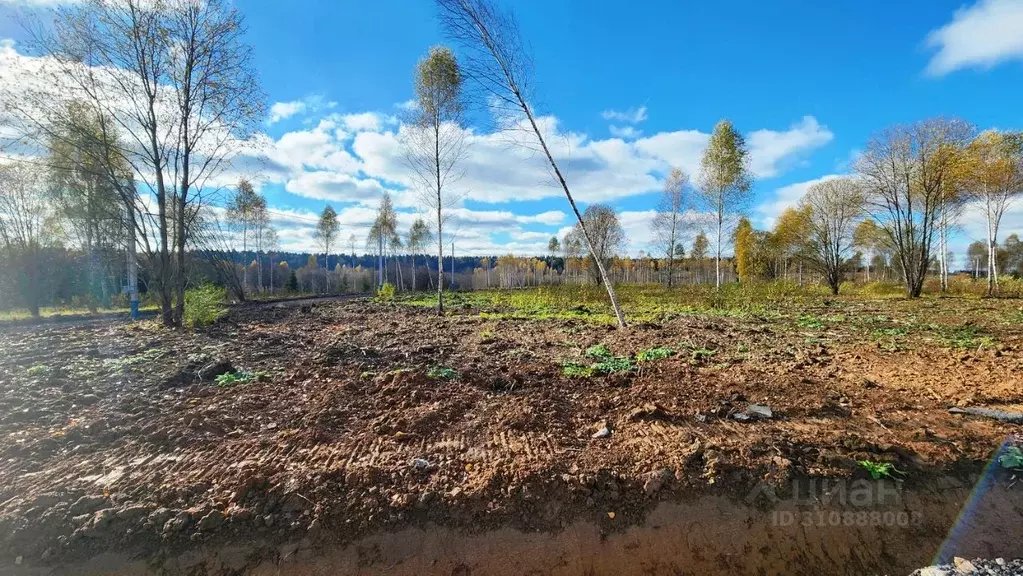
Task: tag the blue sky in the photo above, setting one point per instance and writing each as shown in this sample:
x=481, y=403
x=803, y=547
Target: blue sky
x=628, y=93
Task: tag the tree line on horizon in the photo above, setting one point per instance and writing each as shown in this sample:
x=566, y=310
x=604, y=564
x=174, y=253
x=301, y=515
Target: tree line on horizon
x=133, y=161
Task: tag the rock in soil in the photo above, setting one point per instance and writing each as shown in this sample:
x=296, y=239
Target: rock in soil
x=977, y=567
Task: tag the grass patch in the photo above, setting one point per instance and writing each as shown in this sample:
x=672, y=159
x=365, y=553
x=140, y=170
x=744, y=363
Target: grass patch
x=607, y=363
x=807, y=321
x=134, y=361
x=880, y=470
x=575, y=370
x=965, y=337
x=652, y=354
x=1012, y=459
x=442, y=373
x=612, y=365
x=701, y=354
x=229, y=379
x=38, y=370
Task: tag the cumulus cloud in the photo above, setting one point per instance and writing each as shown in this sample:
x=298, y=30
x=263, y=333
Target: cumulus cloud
x=308, y=105
x=626, y=132
x=284, y=110
x=771, y=152
x=982, y=35
x=785, y=197
x=37, y=3
x=630, y=116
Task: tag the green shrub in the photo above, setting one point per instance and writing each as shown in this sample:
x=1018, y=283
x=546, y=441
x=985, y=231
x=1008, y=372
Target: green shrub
x=599, y=351
x=386, y=292
x=204, y=305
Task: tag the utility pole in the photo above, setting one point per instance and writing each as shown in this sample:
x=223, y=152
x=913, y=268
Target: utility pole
x=133, y=267
x=380, y=256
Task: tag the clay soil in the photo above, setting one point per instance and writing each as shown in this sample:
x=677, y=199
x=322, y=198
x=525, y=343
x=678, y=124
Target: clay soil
x=364, y=418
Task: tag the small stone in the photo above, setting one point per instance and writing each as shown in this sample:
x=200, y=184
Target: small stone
x=214, y=369
x=86, y=504
x=210, y=521
x=104, y=517
x=656, y=480
x=963, y=565
x=314, y=528
x=177, y=523
x=759, y=411
x=241, y=514
x=133, y=512
x=604, y=431
x=1000, y=561
x=421, y=464
x=160, y=516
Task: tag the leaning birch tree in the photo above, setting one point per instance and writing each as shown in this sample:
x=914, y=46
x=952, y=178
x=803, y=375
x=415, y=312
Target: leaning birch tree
x=496, y=62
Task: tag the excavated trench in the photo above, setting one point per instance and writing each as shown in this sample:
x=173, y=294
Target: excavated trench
x=840, y=527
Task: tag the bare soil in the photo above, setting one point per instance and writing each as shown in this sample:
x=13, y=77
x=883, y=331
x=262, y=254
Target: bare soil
x=117, y=438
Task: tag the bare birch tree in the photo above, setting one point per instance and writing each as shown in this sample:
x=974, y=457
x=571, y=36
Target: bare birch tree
x=904, y=171
x=669, y=220
x=244, y=210
x=433, y=141
x=996, y=180
x=835, y=206
x=174, y=80
x=24, y=212
x=419, y=235
x=498, y=65
x=327, y=229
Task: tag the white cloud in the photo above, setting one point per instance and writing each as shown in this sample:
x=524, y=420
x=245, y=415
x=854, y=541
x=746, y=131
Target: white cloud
x=785, y=197
x=626, y=132
x=365, y=121
x=630, y=116
x=551, y=218
x=284, y=110
x=771, y=151
x=334, y=187
x=308, y=105
x=38, y=3
x=983, y=35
